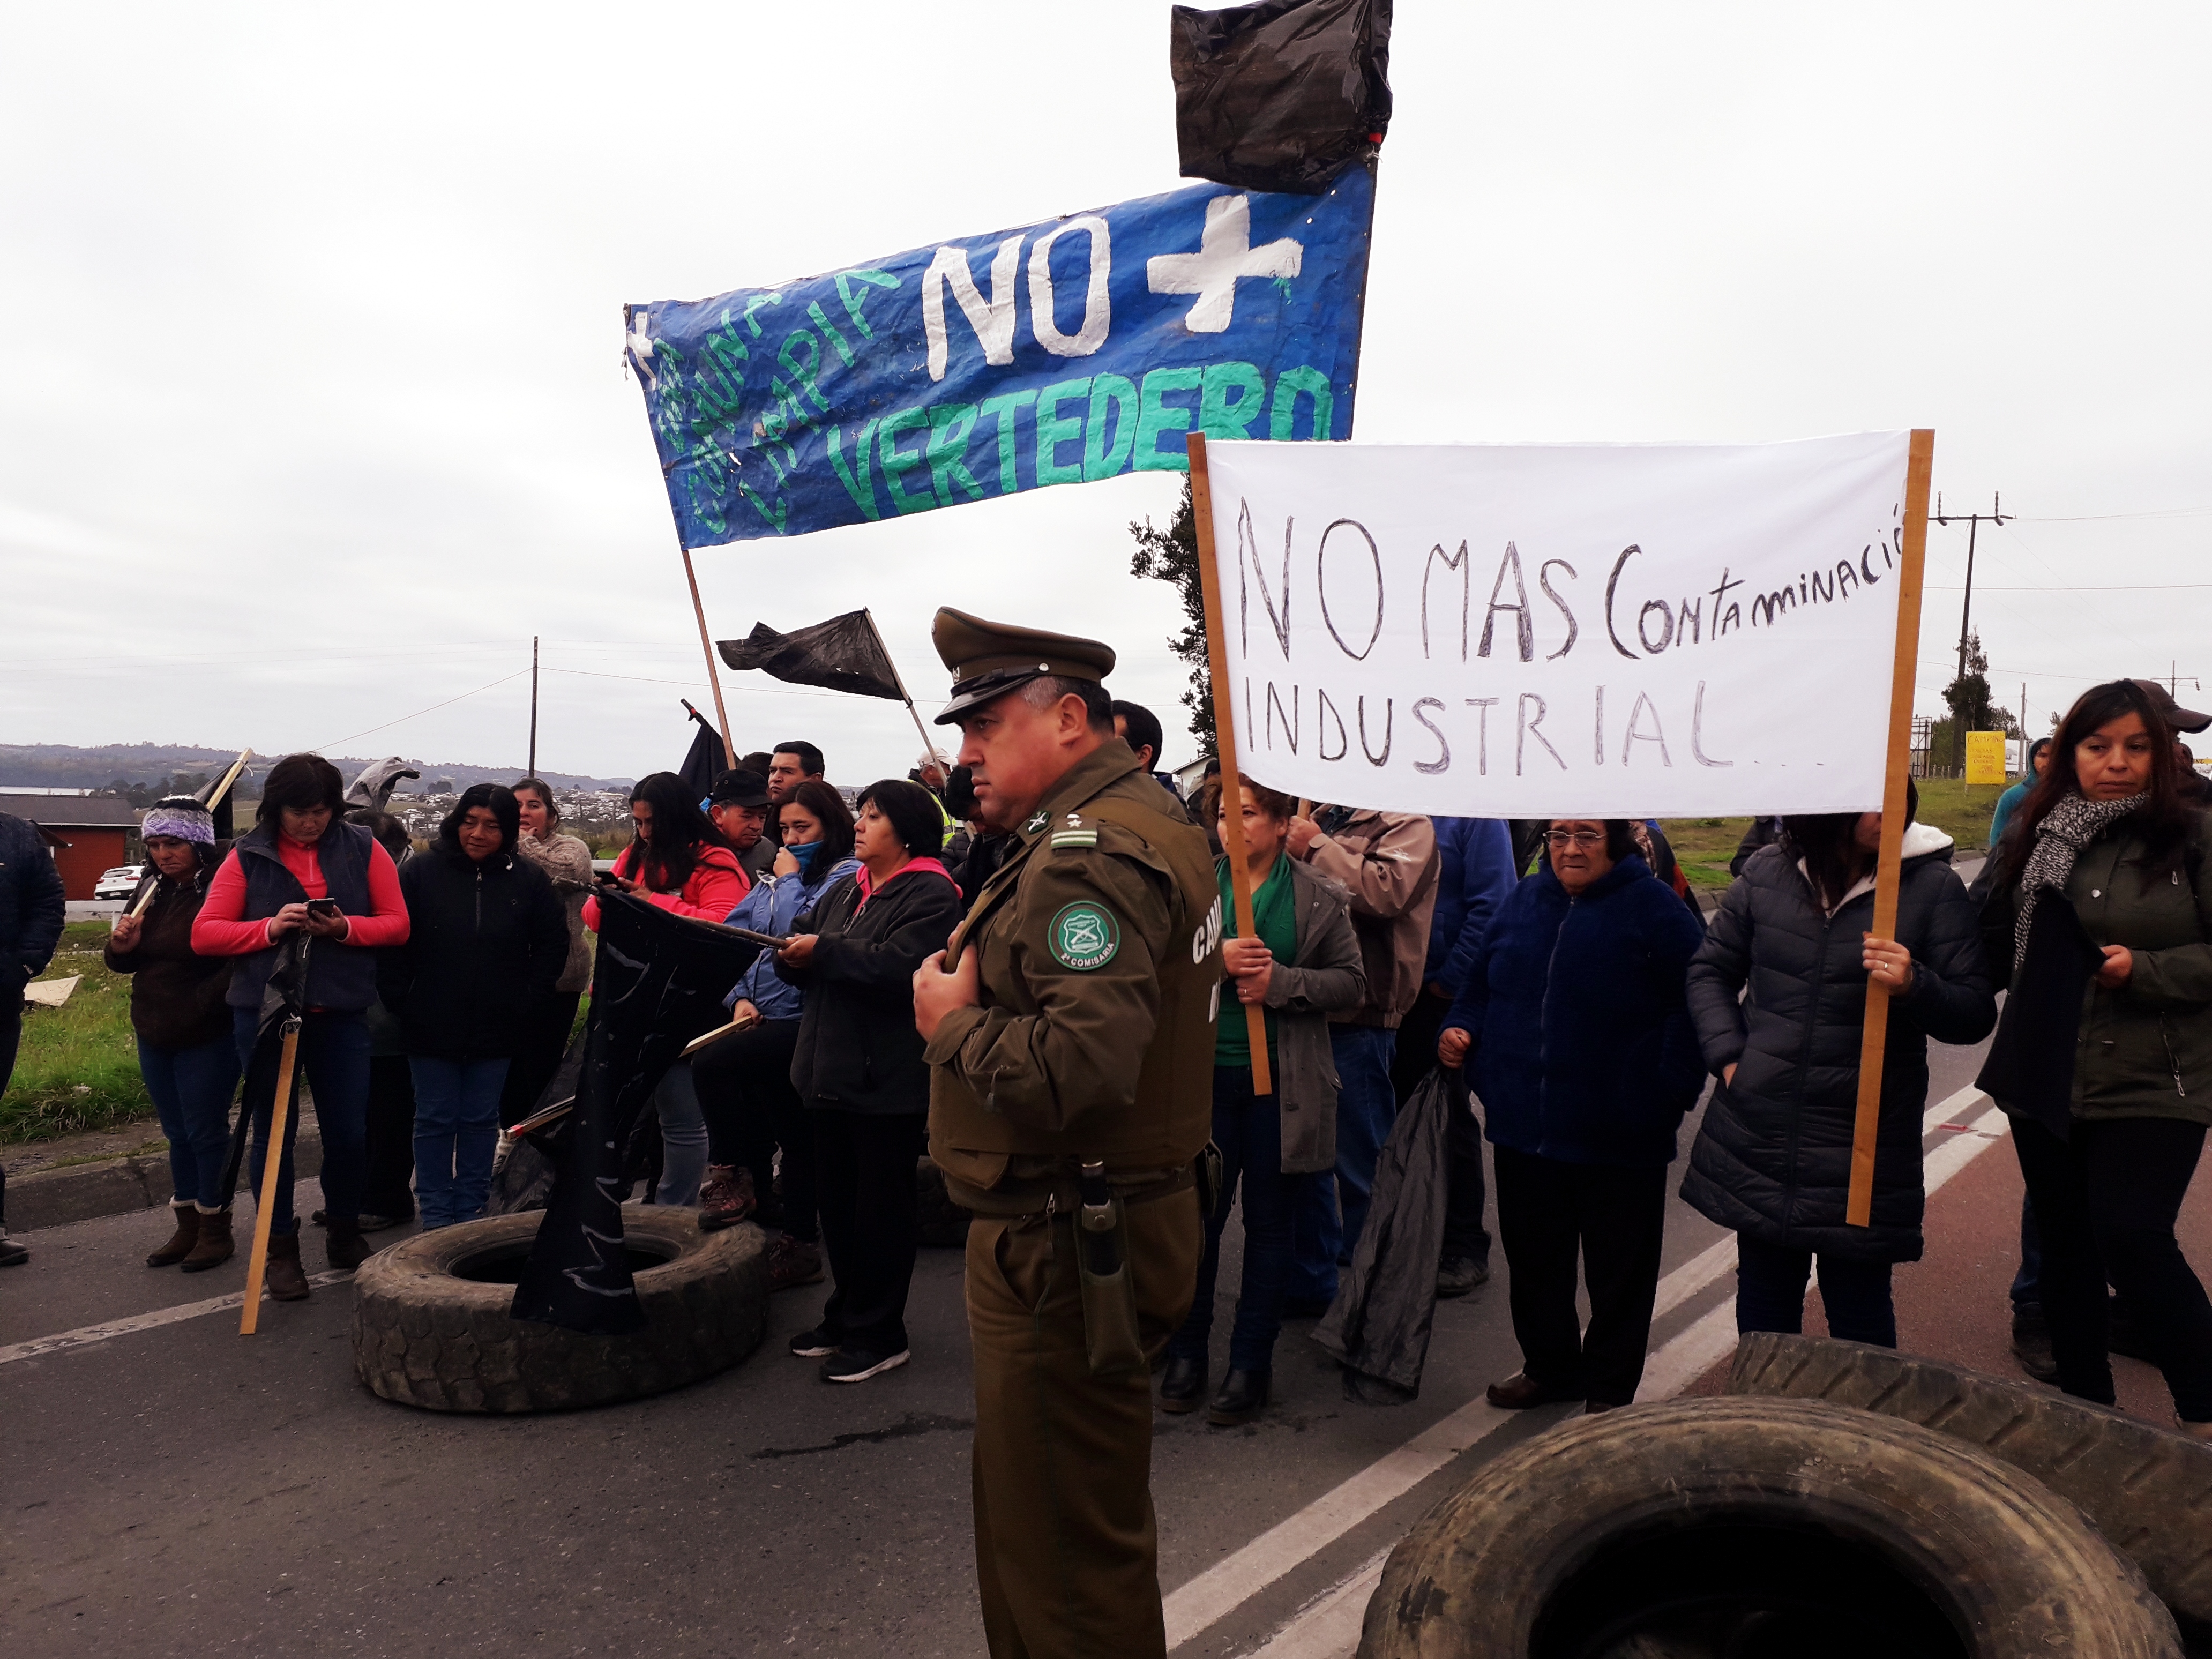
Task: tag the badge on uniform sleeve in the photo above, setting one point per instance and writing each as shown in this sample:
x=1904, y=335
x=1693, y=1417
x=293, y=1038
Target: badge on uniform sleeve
x=1084, y=937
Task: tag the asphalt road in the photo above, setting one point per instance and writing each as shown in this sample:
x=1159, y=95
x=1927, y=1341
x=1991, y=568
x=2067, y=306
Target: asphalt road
x=181, y=1490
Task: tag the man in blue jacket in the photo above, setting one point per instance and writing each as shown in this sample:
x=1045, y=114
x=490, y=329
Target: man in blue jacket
x=1478, y=872
x=30, y=911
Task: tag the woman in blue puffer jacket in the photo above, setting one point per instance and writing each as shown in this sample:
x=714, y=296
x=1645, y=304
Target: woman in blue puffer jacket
x=743, y=1079
x=1575, y=1026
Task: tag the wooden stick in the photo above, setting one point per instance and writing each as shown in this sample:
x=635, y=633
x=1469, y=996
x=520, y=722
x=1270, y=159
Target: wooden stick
x=714, y=676
x=929, y=743
x=744, y=1022
x=1858, y=1211
x=1225, y=744
x=265, y=1212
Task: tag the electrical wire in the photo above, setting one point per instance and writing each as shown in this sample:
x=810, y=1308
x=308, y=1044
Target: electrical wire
x=419, y=713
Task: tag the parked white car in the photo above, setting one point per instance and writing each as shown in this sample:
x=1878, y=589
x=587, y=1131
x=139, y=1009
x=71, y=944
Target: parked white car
x=120, y=883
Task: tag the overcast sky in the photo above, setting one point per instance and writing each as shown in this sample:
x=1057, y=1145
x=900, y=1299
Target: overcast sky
x=312, y=411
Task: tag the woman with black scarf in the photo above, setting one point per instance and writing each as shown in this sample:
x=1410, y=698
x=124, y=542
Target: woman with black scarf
x=488, y=940
x=2099, y=906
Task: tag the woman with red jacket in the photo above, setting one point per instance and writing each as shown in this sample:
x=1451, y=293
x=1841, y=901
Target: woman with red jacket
x=299, y=853
x=677, y=861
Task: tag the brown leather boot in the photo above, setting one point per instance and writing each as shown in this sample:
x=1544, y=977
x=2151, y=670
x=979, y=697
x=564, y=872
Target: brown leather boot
x=344, y=1244
x=181, y=1244
x=215, y=1246
x=284, y=1280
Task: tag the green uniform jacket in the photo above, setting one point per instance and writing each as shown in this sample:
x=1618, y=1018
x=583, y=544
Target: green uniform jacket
x=1098, y=947
x=2146, y=1047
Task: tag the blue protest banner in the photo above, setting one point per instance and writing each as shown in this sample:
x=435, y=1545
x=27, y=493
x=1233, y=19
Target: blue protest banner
x=1063, y=352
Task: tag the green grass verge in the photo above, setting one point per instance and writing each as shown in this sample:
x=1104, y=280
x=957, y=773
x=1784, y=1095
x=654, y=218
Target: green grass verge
x=1704, y=846
x=78, y=1066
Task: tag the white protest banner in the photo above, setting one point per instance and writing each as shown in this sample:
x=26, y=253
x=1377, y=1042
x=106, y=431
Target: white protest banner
x=1593, y=631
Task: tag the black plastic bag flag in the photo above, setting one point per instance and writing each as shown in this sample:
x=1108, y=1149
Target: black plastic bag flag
x=1281, y=95
x=658, y=982
x=845, y=653
x=706, y=758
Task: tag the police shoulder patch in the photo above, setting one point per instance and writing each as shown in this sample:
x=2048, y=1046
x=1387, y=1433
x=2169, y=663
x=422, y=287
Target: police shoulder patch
x=1084, y=936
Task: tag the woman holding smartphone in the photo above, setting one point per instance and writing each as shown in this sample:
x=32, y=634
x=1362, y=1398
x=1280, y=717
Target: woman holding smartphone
x=303, y=870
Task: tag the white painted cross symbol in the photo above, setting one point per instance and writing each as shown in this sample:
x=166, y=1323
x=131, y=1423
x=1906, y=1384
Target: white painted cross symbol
x=639, y=344
x=1224, y=255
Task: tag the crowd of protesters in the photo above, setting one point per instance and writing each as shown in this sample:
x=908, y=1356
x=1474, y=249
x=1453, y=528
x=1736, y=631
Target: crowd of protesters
x=1558, y=980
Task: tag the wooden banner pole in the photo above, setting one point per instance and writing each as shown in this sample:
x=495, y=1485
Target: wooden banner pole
x=1225, y=744
x=929, y=743
x=215, y=795
x=1858, y=1211
x=707, y=645
x=265, y=1212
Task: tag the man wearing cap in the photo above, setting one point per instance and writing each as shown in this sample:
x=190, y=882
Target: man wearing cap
x=2195, y=787
x=738, y=805
x=1069, y=1031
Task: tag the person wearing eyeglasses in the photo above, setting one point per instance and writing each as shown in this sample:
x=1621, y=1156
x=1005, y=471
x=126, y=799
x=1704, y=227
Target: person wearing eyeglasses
x=1573, y=1027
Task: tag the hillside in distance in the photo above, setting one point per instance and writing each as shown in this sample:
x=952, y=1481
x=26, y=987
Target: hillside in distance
x=66, y=766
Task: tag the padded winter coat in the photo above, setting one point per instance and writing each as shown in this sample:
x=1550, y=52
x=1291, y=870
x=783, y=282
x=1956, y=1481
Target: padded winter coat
x=1773, y=1156
x=1583, y=1049
x=486, y=944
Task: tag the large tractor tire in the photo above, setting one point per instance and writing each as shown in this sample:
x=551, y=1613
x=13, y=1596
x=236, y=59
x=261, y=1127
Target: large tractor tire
x=430, y=1323
x=2148, y=1489
x=1758, y=1529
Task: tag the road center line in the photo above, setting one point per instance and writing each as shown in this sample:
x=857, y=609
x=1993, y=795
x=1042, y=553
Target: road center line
x=146, y=1322
x=1226, y=1585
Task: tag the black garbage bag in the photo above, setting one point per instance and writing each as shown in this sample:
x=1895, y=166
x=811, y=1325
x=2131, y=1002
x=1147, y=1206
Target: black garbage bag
x=1281, y=95
x=657, y=982
x=1378, y=1325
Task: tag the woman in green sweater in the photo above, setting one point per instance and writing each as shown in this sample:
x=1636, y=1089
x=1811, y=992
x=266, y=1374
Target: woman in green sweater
x=2100, y=904
x=1304, y=967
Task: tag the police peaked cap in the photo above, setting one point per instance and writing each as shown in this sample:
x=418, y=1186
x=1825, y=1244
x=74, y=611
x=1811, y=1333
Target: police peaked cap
x=988, y=659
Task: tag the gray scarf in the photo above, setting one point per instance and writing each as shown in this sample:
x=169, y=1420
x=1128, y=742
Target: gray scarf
x=2065, y=830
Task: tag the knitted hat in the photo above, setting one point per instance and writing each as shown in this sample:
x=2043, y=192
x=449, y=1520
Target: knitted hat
x=181, y=817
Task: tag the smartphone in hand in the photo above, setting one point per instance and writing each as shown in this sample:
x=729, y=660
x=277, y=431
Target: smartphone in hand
x=326, y=907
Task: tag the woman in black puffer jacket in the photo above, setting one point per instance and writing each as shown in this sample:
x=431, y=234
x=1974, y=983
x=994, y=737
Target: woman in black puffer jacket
x=1773, y=1156
x=858, y=1068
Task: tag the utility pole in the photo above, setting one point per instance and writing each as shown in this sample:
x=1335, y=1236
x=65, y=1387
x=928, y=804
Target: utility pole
x=532, y=771
x=1973, y=522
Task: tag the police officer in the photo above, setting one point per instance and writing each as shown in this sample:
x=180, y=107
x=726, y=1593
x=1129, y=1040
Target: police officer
x=1070, y=1047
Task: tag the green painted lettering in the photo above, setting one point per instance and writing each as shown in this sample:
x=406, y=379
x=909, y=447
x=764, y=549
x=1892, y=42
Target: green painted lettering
x=1155, y=417
x=755, y=304
x=949, y=427
x=1113, y=407
x=895, y=462
x=1052, y=431
x=822, y=321
x=857, y=483
x=855, y=301
x=1230, y=401
x=1291, y=385
x=1003, y=408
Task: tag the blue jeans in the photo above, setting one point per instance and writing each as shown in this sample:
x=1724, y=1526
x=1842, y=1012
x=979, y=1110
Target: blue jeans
x=456, y=1132
x=683, y=1138
x=334, y=1057
x=1330, y=1212
x=1770, y=1294
x=1248, y=1130
x=190, y=1089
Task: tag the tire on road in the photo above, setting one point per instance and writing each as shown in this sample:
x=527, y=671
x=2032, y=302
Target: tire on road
x=2148, y=1489
x=426, y=1335
x=1765, y=1526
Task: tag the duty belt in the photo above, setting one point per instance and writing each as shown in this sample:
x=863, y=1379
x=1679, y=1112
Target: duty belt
x=1061, y=1194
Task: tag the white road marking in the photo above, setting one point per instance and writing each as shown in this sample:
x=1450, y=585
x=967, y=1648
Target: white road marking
x=146, y=1322
x=1329, y=1628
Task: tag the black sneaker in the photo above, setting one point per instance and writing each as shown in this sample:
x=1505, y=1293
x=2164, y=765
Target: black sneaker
x=813, y=1344
x=12, y=1255
x=858, y=1366
x=2031, y=1342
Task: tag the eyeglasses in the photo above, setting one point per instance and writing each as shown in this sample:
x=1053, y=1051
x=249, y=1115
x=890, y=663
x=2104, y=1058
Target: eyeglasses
x=1584, y=838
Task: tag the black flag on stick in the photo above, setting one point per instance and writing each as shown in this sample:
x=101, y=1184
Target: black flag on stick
x=702, y=762
x=845, y=653
x=658, y=982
